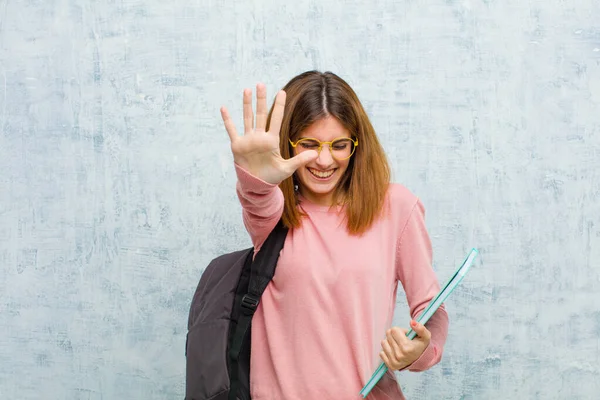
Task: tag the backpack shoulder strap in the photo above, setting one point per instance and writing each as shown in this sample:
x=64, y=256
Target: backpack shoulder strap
x=262, y=271
x=263, y=266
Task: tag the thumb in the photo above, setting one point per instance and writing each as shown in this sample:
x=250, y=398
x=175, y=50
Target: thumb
x=420, y=329
x=302, y=159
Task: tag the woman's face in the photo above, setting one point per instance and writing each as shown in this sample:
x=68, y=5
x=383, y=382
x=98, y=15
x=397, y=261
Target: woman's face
x=318, y=179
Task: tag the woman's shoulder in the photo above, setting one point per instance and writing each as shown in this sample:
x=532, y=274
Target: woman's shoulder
x=399, y=196
x=401, y=204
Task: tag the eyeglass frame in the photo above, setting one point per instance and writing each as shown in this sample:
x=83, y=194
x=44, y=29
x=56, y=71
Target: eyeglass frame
x=329, y=144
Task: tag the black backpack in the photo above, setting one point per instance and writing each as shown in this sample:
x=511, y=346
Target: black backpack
x=218, y=338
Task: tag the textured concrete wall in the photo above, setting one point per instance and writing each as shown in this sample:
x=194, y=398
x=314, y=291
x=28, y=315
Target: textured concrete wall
x=117, y=185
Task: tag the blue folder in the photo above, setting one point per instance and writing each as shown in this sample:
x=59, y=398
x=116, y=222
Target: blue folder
x=425, y=315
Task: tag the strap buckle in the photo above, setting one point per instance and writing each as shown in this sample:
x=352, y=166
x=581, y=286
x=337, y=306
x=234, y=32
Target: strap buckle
x=250, y=302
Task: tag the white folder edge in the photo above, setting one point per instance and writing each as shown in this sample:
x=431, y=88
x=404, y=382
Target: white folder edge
x=424, y=317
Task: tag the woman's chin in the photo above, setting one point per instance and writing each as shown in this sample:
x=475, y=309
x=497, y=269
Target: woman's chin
x=318, y=189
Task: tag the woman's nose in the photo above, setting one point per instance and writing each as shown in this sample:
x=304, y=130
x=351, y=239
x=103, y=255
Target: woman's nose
x=325, y=158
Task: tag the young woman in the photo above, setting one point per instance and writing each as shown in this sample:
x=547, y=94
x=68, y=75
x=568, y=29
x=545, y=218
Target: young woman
x=315, y=162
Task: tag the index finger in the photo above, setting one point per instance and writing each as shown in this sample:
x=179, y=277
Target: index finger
x=399, y=335
x=277, y=116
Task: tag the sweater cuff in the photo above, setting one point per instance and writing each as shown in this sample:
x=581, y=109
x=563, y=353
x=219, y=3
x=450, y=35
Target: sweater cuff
x=249, y=183
x=425, y=360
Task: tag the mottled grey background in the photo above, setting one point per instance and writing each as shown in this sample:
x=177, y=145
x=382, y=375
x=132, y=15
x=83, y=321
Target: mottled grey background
x=117, y=185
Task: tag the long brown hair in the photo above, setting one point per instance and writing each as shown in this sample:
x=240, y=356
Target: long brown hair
x=314, y=95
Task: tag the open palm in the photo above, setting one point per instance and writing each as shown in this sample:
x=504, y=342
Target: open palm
x=257, y=151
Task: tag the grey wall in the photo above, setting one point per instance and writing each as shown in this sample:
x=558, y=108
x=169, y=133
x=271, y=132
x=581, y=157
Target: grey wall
x=117, y=185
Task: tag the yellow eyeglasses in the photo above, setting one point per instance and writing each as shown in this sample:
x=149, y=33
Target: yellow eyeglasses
x=340, y=148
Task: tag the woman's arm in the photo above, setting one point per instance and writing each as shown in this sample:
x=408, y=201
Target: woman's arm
x=415, y=272
x=262, y=205
x=259, y=165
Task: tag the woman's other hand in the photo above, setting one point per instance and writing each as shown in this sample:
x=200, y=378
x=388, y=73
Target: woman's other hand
x=399, y=351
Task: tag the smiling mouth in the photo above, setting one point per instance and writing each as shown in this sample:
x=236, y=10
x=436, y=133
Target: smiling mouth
x=321, y=174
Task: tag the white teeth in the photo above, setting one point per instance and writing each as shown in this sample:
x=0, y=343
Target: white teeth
x=321, y=174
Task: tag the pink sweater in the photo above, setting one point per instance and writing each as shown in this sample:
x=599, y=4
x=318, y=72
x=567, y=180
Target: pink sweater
x=318, y=329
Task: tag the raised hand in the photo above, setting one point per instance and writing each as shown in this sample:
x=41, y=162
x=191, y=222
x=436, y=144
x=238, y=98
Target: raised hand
x=257, y=151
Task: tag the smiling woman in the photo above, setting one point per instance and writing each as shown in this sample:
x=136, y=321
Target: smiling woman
x=319, y=178
x=314, y=162
x=324, y=107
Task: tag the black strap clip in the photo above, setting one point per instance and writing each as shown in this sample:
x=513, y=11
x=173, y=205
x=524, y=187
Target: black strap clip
x=250, y=303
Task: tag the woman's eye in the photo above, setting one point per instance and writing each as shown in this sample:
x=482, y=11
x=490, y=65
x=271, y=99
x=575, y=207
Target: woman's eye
x=309, y=145
x=341, y=145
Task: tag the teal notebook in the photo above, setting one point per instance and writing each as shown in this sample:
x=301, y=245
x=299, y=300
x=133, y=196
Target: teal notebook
x=425, y=315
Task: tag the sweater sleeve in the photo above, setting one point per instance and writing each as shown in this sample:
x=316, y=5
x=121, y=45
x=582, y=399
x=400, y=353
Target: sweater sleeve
x=262, y=205
x=415, y=272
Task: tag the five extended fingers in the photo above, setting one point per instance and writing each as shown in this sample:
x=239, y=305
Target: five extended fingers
x=252, y=143
x=261, y=113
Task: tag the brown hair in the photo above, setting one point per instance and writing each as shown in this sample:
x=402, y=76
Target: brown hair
x=314, y=95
